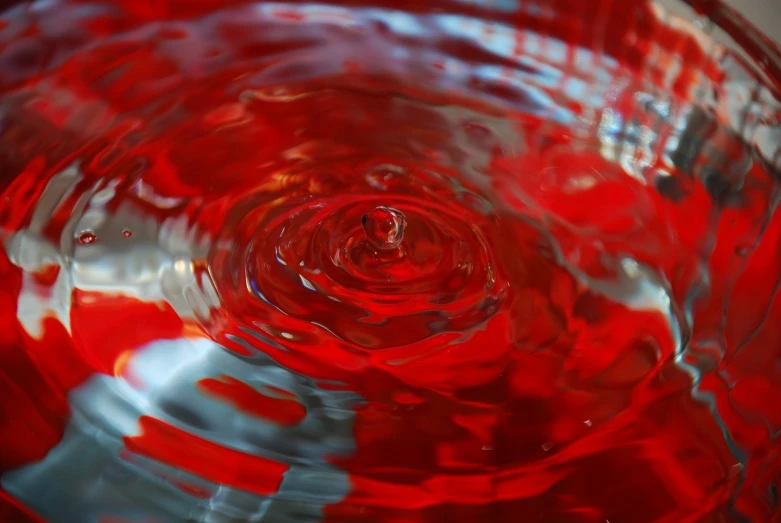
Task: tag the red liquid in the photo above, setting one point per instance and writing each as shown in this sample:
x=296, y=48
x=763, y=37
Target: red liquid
x=538, y=325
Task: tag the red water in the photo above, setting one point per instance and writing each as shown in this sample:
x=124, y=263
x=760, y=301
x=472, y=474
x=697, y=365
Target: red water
x=484, y=277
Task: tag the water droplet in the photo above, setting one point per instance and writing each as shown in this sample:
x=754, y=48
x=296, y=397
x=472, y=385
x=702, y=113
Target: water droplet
x=127, y=233
x=87, y=238
x=384, y=227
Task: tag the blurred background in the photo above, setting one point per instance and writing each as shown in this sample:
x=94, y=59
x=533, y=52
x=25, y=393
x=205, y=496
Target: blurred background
x=765, y=14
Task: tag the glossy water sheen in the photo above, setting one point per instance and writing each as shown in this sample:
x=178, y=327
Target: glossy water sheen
x=399, y=262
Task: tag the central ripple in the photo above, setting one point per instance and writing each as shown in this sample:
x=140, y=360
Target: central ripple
x=359, y=263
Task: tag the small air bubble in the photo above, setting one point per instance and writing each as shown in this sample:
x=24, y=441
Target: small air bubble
x=384, y=177
x=87, y=238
